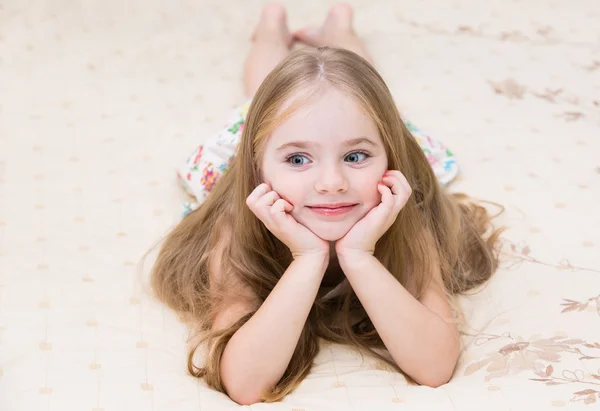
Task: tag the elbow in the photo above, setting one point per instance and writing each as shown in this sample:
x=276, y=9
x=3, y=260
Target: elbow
x=435, y=380
x=243, y=392
x=441, y=370
x=241, y=386
x=244, y=398
x=435, y=377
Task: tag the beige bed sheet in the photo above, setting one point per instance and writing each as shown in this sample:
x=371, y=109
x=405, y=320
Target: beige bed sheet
x=101, y=100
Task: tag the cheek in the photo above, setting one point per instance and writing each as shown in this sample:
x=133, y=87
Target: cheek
x=368, y=187
x=288, y=188
x=269, y=172
x=271, y=176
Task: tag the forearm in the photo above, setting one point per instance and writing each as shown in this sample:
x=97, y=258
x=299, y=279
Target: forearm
x=421, y=343
x=258, y=354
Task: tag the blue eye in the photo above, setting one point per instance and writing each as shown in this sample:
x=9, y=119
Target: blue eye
x=356, y=157
x=297, y=160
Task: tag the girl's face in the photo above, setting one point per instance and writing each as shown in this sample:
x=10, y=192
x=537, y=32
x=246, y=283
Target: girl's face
x=326, y=160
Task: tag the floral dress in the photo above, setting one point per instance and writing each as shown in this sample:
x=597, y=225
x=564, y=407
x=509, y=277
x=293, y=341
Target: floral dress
x=202, y=169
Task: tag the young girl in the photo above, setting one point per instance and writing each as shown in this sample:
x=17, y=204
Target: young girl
x=329, y=224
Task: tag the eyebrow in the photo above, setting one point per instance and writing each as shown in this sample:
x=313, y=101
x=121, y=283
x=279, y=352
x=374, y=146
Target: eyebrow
x=307, y=144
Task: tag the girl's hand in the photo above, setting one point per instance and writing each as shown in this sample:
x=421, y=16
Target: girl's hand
x=274, y=211
x=362, y=237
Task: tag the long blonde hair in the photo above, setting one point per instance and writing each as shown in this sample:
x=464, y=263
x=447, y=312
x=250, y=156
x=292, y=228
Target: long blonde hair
x=432, y=220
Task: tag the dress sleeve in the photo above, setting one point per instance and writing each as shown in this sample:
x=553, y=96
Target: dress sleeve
x=203, y=167
x=440, y=158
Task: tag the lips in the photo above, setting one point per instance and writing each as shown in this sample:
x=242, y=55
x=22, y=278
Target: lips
x=332, y=209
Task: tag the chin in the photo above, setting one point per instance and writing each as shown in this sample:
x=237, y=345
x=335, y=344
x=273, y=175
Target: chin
x=330, y=231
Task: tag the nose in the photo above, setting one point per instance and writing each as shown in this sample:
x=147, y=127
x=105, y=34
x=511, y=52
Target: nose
x=331, y=180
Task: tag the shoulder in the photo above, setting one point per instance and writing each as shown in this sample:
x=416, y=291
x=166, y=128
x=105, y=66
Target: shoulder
x=233, y=298
x=434, y=296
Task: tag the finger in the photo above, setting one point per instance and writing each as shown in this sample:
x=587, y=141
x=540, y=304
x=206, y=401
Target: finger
x=279, y=209
x=406, y=184
x=393, y=182
x=400, y=189
x=387, y=198
x=288, y=206
x=397, y=182
x=279, y=216
x=257, y=193
x=402, y=178
x=268, y=199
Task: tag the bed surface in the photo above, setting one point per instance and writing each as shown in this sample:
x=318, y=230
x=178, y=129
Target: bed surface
x=100, y=101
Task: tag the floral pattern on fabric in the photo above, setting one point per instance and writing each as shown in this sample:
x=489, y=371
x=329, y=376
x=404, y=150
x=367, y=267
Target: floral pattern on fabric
x=209, y=161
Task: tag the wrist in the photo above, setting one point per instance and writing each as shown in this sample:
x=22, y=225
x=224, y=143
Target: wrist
x=353, y=257
x=318, y=260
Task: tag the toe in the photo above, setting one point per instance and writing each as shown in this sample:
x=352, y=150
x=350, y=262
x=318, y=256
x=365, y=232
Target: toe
x=273, y=24
x=340, y=16
x=273, y=14
x=311, y=36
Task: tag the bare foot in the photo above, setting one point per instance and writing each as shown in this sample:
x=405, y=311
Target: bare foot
x=336, y=31
x=271, y=43
x=272, y=26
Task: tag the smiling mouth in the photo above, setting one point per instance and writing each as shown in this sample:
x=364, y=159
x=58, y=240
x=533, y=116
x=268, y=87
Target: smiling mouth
x=332, y=209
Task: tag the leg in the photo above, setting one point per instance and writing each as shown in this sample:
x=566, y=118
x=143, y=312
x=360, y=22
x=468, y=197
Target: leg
x=336, y=31
x=271, y=44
